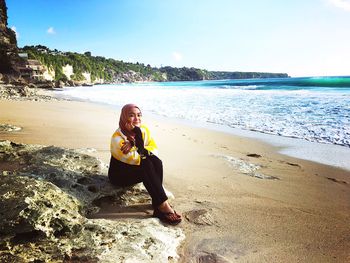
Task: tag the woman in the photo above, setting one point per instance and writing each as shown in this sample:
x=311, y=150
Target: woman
x=134, y=160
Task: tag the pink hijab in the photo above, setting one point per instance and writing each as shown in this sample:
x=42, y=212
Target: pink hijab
x=124, y=115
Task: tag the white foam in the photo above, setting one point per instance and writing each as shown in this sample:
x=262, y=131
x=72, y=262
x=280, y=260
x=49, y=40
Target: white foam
x=329, y=154
x=316, y=116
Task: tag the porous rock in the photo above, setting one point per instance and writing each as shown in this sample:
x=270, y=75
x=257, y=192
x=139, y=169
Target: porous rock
x=44, y=201
x=78, y=174
x=4, y=127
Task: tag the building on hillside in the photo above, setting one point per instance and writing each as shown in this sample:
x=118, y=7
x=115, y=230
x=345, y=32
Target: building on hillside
x=30, y=68
x=25, y=72
x=38, y=69
x=23, y=55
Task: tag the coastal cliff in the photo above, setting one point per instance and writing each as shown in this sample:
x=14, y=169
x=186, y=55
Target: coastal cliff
x=8, y=42
x=108, y=70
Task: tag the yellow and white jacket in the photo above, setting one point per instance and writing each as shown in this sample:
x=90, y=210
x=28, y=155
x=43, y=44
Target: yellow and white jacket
x=133, y=157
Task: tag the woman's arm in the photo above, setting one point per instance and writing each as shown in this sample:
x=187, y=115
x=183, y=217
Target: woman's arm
x=144, y=141
x=132, y=157
x=139, y=142
x=150, y=144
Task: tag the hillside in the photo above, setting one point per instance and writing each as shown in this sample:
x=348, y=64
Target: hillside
x=108, y=70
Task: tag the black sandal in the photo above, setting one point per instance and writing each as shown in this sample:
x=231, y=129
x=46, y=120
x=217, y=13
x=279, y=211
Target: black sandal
x=167, y=217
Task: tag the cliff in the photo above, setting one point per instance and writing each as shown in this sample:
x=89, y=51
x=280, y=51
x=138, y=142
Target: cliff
x=8, y=43
x=107, y=70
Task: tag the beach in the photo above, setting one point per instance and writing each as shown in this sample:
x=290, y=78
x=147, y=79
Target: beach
x=242, y=201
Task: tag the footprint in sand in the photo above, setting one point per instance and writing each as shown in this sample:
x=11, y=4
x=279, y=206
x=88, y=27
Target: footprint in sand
x=291, y=164
x=255, y=155
x=336, y=180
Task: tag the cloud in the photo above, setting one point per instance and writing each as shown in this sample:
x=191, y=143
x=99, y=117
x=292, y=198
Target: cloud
x=177, y=56
x=51, y=31
x=15, y=30
x=343, y=4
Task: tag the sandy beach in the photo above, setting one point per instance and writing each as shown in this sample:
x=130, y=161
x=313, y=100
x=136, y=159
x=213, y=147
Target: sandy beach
x=241, y=200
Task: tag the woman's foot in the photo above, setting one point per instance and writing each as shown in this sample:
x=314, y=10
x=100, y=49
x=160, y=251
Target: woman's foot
x=165, y=207
x=167, y=214
x=167, y=217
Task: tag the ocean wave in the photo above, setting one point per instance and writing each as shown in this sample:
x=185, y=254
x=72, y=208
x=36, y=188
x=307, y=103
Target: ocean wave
x=320, y=116
x=287, y=83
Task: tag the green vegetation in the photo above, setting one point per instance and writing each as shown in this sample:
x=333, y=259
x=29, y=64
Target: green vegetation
x=246, y=75
x=178, y=74
x=98, y=67
x=111, y=70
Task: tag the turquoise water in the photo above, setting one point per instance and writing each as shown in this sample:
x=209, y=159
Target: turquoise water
x=336, y=83
x=314, y=109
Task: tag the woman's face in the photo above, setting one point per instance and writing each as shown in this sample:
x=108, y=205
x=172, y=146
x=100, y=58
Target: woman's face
x=134, y=117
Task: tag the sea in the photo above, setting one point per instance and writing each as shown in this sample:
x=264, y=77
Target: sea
x=312, y=109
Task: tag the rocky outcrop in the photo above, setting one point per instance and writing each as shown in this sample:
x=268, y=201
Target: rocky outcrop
x=17, y=88
x=9, y=128
x=46, y=196
x=25, y=92
x=8, y=42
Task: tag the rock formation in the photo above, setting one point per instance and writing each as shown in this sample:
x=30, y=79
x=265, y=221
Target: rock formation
x=46, y=196
x=8, y=42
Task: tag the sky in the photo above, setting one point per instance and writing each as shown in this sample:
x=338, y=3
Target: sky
x=298, y=37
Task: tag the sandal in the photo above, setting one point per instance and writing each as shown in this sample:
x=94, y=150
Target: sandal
x=178, y=215
x=169, y=218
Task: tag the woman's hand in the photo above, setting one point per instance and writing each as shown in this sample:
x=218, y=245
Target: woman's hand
x=126, y=147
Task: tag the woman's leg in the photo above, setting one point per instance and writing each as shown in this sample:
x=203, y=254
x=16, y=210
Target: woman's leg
x=153, y=180
x=121, y=174
x=158, y=166
x=150, y=172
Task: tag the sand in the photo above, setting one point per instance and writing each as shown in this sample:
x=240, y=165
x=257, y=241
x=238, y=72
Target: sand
x=301, y=215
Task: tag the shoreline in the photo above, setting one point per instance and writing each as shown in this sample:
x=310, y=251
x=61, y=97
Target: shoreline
x=323, y=153
x=298, y=212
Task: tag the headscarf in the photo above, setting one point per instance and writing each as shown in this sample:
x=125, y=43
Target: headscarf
x=124, y=115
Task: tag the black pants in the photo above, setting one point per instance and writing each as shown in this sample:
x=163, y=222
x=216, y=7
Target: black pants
x=149, y=172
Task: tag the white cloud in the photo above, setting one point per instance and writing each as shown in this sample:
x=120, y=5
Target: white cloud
x=343, y=4
x=15, y=30
x=51, y=31
x=177, y=56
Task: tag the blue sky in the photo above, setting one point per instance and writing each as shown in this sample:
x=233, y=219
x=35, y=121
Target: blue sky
x=298, y=37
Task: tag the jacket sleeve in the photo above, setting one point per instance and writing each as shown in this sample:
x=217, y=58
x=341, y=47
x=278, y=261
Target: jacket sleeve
x=150, y=144
x=132, y=157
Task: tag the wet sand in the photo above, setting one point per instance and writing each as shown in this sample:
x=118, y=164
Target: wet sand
x=241, y=200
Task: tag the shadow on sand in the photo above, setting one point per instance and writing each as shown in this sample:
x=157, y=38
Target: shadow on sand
x=113, y=211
